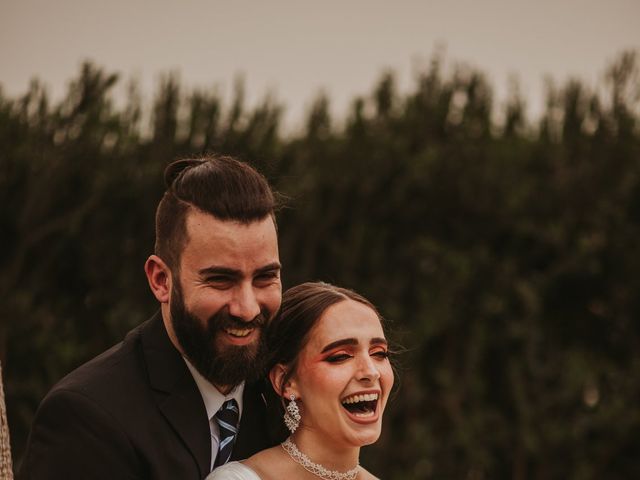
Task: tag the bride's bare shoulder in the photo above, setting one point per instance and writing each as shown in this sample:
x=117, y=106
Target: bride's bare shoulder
x=266, y=463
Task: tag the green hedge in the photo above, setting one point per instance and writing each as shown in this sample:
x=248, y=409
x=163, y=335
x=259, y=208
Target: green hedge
x=505, y=254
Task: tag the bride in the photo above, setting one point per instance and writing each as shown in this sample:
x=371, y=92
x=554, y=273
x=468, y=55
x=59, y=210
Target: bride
x=330, y=367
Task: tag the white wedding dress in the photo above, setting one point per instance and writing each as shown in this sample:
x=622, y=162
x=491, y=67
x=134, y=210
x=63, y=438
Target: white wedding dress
x=233, y=471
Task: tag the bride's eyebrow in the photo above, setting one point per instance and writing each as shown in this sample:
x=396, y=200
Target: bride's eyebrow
x=340, y=343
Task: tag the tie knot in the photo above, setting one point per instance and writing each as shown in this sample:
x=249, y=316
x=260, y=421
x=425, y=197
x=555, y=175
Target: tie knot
x=227, y=416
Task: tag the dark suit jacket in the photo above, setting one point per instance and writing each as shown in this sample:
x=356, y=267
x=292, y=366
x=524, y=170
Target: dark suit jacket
x=134, y=412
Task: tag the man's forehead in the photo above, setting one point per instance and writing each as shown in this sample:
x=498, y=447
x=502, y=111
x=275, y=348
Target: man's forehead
x=199, y=221
x=212, y=242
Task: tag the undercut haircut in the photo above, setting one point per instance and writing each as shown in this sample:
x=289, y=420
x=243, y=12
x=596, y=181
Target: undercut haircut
x=221, y=186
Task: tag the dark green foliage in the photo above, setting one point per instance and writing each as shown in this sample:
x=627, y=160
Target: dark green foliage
x=504, y=256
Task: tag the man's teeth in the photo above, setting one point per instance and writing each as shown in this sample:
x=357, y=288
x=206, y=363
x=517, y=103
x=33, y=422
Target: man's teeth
x=367, y=397
x=239, y=332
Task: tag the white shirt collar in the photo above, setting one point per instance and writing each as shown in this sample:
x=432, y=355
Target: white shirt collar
x=211, y=396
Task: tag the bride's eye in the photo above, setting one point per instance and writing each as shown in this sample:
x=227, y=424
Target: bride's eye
x=337, y=358
x=381, y=354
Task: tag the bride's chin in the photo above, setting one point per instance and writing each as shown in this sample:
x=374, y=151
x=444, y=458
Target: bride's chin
x=364, y=443
x=362, y=439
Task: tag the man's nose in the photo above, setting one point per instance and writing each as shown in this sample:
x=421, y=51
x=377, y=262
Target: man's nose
x=244, y=304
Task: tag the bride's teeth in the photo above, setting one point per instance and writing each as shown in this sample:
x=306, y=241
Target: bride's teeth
x=367, y=397
x=364, y=414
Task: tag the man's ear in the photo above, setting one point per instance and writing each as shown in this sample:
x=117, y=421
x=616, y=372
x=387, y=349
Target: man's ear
x=159, y=278
x=276, y=375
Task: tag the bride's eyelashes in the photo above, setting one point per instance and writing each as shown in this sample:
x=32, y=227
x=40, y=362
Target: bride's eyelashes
x=381, y=354
x=338, y=357
x=341, y=357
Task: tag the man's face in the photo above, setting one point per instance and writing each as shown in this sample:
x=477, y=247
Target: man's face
x=227, y=290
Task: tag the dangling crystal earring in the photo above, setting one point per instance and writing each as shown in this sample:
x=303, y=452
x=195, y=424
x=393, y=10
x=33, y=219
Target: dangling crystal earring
x=292, y=415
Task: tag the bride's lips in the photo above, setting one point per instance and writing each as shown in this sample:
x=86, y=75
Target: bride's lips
x=362, y=407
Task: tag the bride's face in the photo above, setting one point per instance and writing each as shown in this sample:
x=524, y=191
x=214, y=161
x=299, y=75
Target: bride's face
x=344, y=377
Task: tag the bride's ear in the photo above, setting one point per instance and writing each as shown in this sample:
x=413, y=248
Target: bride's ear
x=276, y=375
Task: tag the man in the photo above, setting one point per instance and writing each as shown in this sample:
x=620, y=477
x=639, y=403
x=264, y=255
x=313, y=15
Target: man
x=164, y=403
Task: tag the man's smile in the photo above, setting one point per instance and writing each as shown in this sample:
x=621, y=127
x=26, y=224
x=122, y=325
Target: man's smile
x=240, y=336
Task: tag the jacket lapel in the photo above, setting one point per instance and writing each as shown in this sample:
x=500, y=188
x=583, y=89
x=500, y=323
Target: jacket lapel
x=252, y=434
x=176, y=393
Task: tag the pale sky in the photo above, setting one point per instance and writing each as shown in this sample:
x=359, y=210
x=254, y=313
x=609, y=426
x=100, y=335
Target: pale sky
x=296, y=48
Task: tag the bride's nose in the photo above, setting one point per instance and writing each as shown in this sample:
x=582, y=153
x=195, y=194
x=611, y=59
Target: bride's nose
x=367, y=369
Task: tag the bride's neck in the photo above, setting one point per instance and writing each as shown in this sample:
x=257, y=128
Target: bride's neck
x=330, y=455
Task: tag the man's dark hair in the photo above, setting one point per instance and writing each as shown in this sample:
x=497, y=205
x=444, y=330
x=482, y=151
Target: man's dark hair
x=219, y=185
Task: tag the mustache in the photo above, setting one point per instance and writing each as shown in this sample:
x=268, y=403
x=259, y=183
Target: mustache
x=223, y=319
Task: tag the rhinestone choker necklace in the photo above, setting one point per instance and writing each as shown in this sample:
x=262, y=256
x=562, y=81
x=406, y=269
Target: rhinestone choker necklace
x=315, y=468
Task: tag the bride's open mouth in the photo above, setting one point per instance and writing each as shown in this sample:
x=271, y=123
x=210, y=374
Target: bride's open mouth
x=361, y=406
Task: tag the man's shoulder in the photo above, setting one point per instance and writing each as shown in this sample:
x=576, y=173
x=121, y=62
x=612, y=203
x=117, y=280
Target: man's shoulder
x=118, y=370
x=122, y=414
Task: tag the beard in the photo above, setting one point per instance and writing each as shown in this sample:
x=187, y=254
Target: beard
x=227, y=365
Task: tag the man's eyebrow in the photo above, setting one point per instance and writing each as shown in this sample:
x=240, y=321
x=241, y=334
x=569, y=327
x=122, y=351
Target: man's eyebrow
x=230, y=272
x=269, y=268
x=216, y=270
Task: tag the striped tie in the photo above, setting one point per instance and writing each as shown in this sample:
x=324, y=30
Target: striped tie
x=227, y=418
